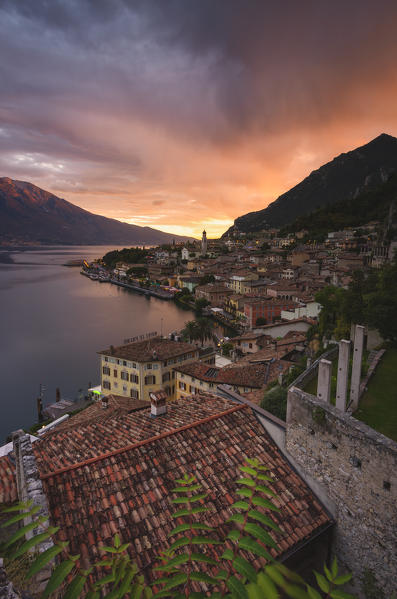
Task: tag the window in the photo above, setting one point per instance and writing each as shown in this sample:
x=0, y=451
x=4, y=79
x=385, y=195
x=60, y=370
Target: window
x=118, y=361
x=124, y=389
x=106, y=370
x=124, y=376
x=133, y=365
x=106, y=359
x=166, y=377
x=124, y=363
x=182, y=386
x=148, y=366
x=250, y=345
x=134, y=378
x=106, y=385
x=134, y=393
x=150, y=379
x=155, y=366
x=115, y=373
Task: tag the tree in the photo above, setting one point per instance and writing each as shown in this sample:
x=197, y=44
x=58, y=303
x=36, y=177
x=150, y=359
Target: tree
x=275, y=402
x=200, y=304
x=207, y=279
x=260, y=321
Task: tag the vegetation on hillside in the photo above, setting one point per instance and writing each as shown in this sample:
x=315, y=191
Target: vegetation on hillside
x=367, y=207
x=127, y=255
x=370, y=299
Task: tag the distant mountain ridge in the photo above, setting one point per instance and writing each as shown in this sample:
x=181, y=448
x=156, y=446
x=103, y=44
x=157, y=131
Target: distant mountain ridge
x=345, y=177
x=30, y=214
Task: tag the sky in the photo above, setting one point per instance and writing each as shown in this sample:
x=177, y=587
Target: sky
x=184, y=114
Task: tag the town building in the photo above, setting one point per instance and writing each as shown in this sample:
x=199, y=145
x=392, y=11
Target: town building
x=267, y=308
x=214, y=293
x=137, y=369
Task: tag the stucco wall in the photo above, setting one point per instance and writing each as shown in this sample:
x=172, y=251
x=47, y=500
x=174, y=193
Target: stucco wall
x=357, y=469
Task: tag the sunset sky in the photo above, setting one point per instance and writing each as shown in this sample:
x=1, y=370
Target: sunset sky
x=184, y=114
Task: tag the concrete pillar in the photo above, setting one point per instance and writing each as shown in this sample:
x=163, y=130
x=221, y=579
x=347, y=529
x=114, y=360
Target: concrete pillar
x=343, y=374
x=324, y=380
x=356, y=369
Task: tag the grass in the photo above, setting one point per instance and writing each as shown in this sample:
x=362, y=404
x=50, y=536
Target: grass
x=378, y=406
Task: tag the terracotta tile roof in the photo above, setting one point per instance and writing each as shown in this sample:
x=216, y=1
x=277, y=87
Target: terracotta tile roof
x=64, y=447
x=129, y=492
x=8, y=485
x=252, y=375
x=117, y=405
x=143, y=351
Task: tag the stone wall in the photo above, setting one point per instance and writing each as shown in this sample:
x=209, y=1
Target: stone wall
x=357, y=469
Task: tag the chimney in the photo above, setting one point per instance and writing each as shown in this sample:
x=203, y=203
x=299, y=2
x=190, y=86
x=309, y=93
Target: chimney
x=158, y=403
x=154, y=355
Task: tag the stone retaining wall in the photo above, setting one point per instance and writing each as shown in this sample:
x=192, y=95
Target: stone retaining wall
x=357, y=469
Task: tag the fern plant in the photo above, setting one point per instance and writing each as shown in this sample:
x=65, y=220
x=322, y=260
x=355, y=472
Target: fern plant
x=193, y=566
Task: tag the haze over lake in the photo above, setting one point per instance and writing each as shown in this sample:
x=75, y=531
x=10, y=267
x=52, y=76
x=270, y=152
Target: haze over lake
x=53, y=321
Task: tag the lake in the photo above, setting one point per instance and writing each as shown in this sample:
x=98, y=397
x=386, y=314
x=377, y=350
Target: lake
x=53, y=320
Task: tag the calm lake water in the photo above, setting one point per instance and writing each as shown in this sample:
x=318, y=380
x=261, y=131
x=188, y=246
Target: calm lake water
x=53, y=321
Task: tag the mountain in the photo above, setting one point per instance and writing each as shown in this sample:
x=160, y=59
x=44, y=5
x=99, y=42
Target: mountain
x=344, y=178
x=29, y=214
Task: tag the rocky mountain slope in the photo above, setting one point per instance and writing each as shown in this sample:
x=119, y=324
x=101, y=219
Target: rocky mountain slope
x=344, y=178
x=29, y=214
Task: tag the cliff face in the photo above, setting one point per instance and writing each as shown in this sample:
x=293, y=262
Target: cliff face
x=345, y=177
x=30, y=214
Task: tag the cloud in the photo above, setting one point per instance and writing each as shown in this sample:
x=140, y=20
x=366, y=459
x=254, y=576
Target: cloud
x=207, y=109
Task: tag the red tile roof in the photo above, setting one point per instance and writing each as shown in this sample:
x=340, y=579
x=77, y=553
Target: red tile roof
x=89, y=439
x=128, y=491
x=8, y=485
x=149, y=350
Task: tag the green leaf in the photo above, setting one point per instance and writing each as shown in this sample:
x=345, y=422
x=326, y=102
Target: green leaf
x=313, y=594
x=241, y=505
x=334, y=568
x=187, y=526
x=338, y=594
x=327, y=573
x=244, y=568
x=234, y=535
x=253, y=462
x=275, y=574
x=227, y=554
x=176, y=561
x=295, y=592
x=25, y=547
x=267, y=585
x=135, y=592
x=251, y=545
x=189, y=499
x=248, y=470
x=175, y=581
x=108, y=549
x=22, y=505
x=237, y=518
x=263, y=519
x=260, y=534
x=202, y=577
x=57, y=577
x=186, y=489
x=254, y=591
x=264, y=503
x=266, y=490
x=19, y=517
x=44, y=558
x=116, y=541
x=246, y=481
x=237, y=588
x=264, y=477
x=290, y=574
x=104, y=580
x=74, y=589
x=92, y=595
x=322, y=582
x=245, y=492
x=202, y=557
x=22, y=531
x=186, y=512
x=343, y=579
x=126, y=583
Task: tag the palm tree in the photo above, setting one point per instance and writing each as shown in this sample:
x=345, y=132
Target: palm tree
x=191, y=331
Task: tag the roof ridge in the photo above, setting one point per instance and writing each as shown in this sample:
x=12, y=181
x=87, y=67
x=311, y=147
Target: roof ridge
x=120, y=450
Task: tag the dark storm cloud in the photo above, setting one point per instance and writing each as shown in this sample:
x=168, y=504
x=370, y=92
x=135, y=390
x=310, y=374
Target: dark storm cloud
x=190, y=96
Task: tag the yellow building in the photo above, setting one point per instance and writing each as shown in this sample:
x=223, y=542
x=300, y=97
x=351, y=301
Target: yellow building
x=136, y=369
